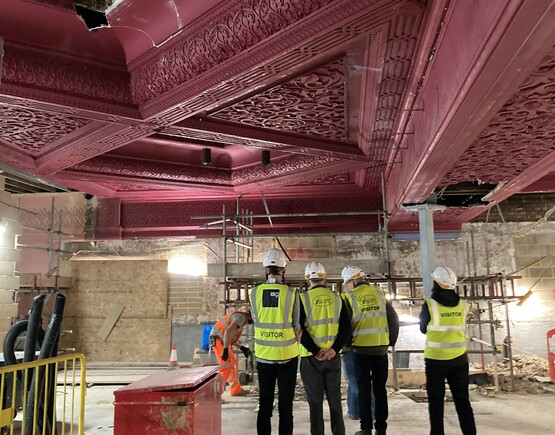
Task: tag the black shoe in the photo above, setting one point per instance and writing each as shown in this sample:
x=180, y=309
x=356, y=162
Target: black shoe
x=364, y=432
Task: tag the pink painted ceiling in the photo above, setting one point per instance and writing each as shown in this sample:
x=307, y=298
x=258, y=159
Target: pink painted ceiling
x=424, y=93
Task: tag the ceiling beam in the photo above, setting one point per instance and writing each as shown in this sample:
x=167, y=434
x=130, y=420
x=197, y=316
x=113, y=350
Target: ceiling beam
x=506, y=42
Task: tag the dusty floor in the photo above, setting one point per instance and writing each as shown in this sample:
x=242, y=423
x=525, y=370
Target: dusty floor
x=502, y=414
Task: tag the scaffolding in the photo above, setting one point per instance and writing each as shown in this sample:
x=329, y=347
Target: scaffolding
x=481, y=292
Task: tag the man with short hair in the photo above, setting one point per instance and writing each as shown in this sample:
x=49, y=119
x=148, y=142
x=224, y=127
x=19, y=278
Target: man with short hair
x=375, y=326
x=443, y=320
x=224, y=335
x=325, y=323
x=275, y=311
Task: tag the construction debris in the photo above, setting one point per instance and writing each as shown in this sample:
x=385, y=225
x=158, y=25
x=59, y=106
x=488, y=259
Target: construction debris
x=528, y=371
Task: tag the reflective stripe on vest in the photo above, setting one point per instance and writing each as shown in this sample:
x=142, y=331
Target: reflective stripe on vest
x=221, y=326
x=274, y=336
x=322, y=308
x=445, y=338
x=369, y=319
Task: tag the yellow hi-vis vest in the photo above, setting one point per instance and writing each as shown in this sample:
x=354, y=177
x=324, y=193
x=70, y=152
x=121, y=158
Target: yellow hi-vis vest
x=369, y=321
x=272, y=313
x=445, y=333
x=322, y=308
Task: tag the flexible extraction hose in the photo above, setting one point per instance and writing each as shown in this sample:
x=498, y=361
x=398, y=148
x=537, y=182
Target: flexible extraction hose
x=37, y=384
x=33, y=328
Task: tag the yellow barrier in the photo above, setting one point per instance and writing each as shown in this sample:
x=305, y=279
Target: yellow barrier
x=29, y=404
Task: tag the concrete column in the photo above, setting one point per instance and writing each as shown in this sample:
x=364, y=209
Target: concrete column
x=427, y=246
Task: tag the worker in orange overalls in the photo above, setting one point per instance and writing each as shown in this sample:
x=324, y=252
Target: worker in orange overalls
x=224, y=335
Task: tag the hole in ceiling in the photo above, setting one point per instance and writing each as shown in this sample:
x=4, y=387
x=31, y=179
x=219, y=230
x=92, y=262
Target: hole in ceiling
x=93, y=12
x=463, y=194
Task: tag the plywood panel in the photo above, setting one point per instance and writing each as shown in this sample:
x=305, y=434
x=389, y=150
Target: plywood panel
x=143, y=331
x=142, y=286
x=131, y=340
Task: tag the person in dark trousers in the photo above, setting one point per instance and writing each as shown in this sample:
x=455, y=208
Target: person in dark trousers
x=326, y=325
x=443, y=320
x=275, y=312
x=375, y=327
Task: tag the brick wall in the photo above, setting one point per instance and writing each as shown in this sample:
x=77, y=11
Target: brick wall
x=520, y=208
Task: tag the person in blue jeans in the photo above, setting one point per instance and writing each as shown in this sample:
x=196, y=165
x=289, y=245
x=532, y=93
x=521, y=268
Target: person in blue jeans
x=352, y=389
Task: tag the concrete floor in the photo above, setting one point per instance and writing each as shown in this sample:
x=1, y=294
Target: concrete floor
x=503, y=414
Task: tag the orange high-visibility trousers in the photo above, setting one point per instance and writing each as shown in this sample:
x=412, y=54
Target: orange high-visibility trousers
x=228, y=368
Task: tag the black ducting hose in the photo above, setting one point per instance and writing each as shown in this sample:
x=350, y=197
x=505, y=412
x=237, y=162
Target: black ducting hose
x=37, y=384
x=9, y=342
x=33, y=328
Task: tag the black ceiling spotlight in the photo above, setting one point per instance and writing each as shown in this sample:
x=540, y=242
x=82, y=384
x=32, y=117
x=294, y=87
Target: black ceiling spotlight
x=206, y=156
x=265, y=157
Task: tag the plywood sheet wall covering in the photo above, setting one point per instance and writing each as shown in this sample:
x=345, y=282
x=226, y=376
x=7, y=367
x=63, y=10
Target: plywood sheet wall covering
x=142, y=333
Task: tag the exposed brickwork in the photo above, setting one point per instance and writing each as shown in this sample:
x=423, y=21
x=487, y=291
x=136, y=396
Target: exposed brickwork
x=520, y=208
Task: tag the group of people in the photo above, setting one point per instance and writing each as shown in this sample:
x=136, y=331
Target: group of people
x=320, y=325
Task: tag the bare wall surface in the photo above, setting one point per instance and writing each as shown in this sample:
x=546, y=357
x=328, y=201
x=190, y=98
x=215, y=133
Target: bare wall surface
x=481, y=248
x=142, y=333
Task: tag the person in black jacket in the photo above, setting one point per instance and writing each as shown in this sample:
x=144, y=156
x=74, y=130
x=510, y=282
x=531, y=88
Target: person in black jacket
x=443, y=320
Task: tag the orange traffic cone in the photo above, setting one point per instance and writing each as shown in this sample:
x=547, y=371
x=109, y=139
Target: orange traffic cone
x=196, y=356
x=173, y=358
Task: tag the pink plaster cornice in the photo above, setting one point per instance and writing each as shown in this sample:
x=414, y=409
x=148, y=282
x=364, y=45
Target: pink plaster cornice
x=119, y=169
x=317, y=36
x=37, y=73
x=231, y=30
x=288, y=171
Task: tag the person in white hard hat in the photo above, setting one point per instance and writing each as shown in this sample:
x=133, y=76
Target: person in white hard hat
x=443, y=320
x=375, y=327
x=325, y=324
x=275, y=311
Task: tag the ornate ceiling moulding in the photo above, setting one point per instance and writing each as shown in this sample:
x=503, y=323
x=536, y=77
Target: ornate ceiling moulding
x=207, y=76
x=118, y=170
x=232, y=29
x=33, y=73
x=527, y=118
x=33, y=130
x=311, y=104
x=289, y=171
x=92, y=144
x=179, y=214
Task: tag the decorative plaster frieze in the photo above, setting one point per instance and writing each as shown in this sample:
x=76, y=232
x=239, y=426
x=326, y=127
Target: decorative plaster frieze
x=32, y=130
x=311, y=104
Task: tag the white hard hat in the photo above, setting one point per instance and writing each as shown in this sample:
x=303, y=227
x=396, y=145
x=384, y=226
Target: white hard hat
x=351, y=272
x=445, y=277
x=274, y=257
x=314, y=270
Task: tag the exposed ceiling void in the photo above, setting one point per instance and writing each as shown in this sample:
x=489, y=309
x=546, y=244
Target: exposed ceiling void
x=93, y=12
x=463, y=194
